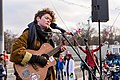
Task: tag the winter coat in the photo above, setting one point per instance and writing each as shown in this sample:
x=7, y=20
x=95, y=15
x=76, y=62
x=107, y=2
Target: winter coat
x=60, y=65
x=19, y=55
x=70, y=70
x=89, y=60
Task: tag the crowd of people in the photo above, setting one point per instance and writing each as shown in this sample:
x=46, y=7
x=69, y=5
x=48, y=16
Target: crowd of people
x=113, y=60
x=65, y=67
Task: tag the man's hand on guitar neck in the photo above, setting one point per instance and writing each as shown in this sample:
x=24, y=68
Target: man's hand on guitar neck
x=38, y=59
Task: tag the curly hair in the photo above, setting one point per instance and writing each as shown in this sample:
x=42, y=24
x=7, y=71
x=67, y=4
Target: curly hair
x=40, y=13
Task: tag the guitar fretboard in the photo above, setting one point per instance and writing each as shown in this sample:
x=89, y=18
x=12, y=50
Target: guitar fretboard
x=58, y=48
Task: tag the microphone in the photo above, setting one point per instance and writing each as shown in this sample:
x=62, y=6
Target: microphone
x=54, y=26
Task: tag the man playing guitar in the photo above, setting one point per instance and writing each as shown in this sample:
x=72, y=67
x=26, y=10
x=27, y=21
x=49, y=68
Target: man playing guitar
x=27, y=51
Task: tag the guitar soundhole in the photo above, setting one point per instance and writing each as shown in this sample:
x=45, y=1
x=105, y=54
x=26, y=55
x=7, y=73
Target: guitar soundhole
x=26, y=73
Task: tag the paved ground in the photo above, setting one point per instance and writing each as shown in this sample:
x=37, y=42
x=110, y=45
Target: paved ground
x=10, y=73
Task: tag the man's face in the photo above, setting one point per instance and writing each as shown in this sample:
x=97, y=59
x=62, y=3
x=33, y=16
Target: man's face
x=44, y=21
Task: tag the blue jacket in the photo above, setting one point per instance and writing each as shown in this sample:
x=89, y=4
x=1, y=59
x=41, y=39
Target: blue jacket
x=60, y=65
x=111, y=57
x=117, y=57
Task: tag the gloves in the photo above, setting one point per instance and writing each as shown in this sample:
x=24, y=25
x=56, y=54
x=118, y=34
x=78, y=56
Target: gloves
x=71, y=75
x=38, y=59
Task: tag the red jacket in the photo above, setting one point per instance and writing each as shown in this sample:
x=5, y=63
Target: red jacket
x=90, y=61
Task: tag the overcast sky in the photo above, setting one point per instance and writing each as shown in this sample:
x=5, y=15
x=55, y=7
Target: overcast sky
x=17, y=14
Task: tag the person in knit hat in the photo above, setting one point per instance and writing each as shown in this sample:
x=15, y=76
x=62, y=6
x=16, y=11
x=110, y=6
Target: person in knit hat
x=69, y=66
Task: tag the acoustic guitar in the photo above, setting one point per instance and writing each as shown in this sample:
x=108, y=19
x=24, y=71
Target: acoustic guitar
x=34, y=71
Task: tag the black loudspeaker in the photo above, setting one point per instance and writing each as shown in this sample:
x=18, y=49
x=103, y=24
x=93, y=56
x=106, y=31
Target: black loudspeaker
x=100, y=11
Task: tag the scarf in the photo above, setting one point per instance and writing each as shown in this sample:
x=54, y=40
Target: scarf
x=35, y=32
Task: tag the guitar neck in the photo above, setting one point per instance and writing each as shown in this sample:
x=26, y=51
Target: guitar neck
x=58, y=48
x=54, y=51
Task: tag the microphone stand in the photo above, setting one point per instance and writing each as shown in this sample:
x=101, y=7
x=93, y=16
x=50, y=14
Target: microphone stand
x=79, y=55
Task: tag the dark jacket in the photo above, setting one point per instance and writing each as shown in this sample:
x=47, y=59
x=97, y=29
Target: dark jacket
x=1, y=71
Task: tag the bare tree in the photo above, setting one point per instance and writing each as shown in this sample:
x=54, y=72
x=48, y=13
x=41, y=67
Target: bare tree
x=8, y=40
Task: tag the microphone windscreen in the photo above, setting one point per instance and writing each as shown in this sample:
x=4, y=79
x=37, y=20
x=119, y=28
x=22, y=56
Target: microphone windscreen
x=53, y=25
